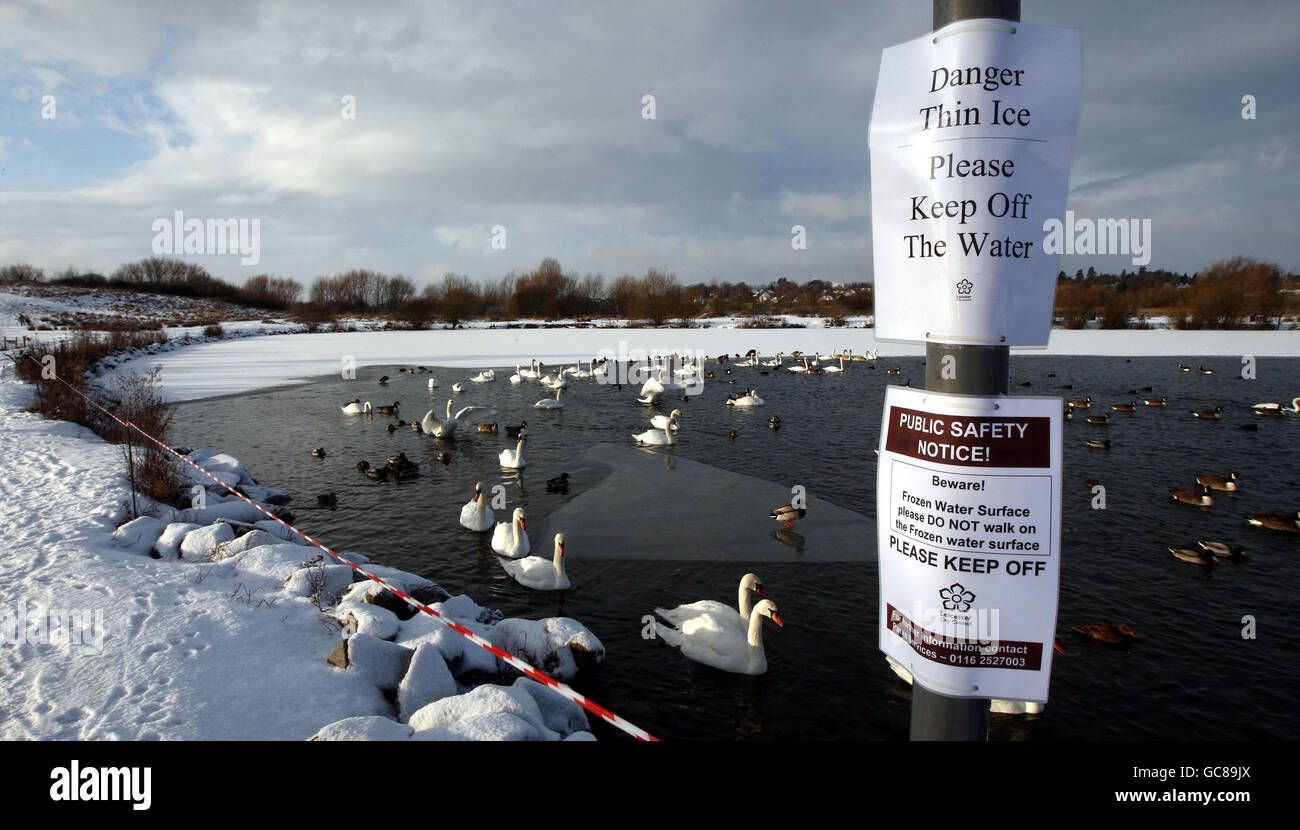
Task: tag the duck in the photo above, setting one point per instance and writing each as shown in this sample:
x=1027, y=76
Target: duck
x=1193, y=556
x=1106, y=632
x=1099, y=419
x=327, y=499
x=1086, y=403
x=510, y=539
x=514, y=459
x=788, y=515
x=661, y=437
x=377, y=473
x=1099, y=444
x=444, y=457
x=490, y=429
x=1091, y=483
x=539, y=573
x=389, y=410
x=726, y=648
x=1227, y=485
x=774, y=422
x=515, y=432
x=729, y=434
x=551, y=403
x=363, y=465
x=445, y=427
x=749, y=399
x=710, y=613
x=415, y=427
x=357, y=408
x=559, y=484
x=405, y=473
x=1124, y=407
x=1285, y=522
x=319, y=452
x=1198, y=498
x=1183, y=368
x=1069, y=414
x=1204, y=370
x=1160, y=401
x=1207, y=414
x=665, y=421
x=1223, y=550
x=391, y=428
x=476, y=515
x=383, y=379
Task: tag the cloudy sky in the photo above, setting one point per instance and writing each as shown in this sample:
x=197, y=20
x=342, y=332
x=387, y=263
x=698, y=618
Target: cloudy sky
x=528, y=115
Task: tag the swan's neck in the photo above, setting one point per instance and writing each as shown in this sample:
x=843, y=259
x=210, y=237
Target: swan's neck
x=755, y=631
x=481, y=504
x=743, y=603
x=448, y=410
x=558, y=562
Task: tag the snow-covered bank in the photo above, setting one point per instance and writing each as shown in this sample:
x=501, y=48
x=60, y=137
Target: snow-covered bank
x=231, y=367
x=228, y=642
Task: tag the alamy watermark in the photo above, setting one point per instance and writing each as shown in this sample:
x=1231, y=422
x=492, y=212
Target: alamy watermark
x=82, y=627
x=1123, y=237
x=179, y=235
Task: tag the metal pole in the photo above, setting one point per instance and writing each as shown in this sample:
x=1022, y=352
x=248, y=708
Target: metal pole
x=975, y=370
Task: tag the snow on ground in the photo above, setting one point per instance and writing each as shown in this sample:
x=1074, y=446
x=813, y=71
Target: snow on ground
x=234, y=366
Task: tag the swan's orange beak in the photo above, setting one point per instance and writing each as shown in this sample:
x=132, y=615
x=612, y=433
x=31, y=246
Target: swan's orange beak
x=759, y=590
x=776, y=618
x=523, y=526
x=1056, y=645
x=476, y=495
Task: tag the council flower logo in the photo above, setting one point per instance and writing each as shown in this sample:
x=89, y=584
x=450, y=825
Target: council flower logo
x=956, y=597
x=965, y=286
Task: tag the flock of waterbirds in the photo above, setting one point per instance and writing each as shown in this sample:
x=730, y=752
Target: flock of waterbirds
x=708, y=631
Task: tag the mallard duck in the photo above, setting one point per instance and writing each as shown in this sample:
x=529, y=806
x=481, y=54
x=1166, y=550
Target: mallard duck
x=1107, y=633
x=788, y=514
x=1204, y=370
x=389, y=410
x=1223, y=549
x=1285, y=522
x=1228, y=485
x=377, y=473
x=1099, y=443
x=490, y=429
x=1086, y=403
x=319, y=452
x=1091, y=483
x=559, y=484
x=1160, y=401
x=1207, y=414
x=514, y=432
x=1124, y=407
x=1198, y=498
x=774, y=422
x=1099, y=419
x=1194, y=557
x=415, y=427
x=391, y=428
x=363, y=465
x=1183, y=368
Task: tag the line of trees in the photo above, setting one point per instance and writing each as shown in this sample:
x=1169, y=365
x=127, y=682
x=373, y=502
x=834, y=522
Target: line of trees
x=1221, y=296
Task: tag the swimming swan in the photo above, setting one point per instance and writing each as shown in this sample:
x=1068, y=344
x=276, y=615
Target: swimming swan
x=476, y=515
x=511, y=538
x=730, y=649
x=539, y=573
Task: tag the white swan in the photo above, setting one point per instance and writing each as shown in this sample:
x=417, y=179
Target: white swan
x=357, y=408
x=533, y=373
x=511, y=538
x=444, y=428
x=798, y=368
x=751, y=398
x=514, y=459
x=1277, y=407
x=550, y=403
x=433, y=384
x=457, y=388
x=661, y=437
x=476, y=515
x=664, y=421
x=997, y=705
x=650, y=391
x=730, y=649
x=710, y=613
x=539, y=573
x=484, y=377
x=552, y=381
x=834, y=369
x=775, y=362
x=516, y=378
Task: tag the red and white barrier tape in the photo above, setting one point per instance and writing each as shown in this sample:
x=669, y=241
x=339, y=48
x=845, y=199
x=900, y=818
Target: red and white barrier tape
x=498, y=652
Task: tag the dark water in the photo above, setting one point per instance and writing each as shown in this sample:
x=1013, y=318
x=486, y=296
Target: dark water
x=1191, y=675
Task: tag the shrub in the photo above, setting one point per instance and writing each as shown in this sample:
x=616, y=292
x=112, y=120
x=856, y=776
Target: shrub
x=214, y=330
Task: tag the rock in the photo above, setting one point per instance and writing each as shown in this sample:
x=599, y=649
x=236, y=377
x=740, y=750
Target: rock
x=427, y=680
x=168, y=545
x=339, y=656
x=278, y=561
x=464, y=658
x=279, y=530
x=480, y=702
x=559, y=714
x=497, y=726
x=235, y=509
x=560, y=646
x=581, y=736
x=371, y=592
x=327, y=581
x=378, y=661
x=413, y=583
x=360, y=617
x=200, y=544
x=369, y=728
x=250, y=540
x=138, y=535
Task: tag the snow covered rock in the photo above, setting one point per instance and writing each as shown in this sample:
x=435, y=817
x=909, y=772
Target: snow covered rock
x=427, y=679
x=477, y=704
x=168, y=545
x=379, y=661
x=560, y=646
x=200, y=544
x=369, y=728
x=495, y=726
x=360, y=617
x=138, y=535
x=278, y=530
x=248, y=541
x=236, y=509
x=278, y=561
x=559, y=714
x=327, y=581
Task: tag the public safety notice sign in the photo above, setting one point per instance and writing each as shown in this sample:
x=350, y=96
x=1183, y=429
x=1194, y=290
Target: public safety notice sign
x=969, y=514
x=972, y=133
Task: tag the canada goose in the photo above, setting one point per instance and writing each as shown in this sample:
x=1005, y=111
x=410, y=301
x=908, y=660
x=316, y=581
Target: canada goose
x=389, y=410
x=1285, y=522
x=1223, y=550
x=1198, y=498
x=319, y=452
x=1195, y=557
x=491, y=429
x=327, y=499
x=1099, y=444
x=1107, y=633
x=1214, y=482
x=1099, y=419
x=1204, y=370
x=559, y=484
x=1160, y=401
x=1207, y=414
x=513, y=432
x=788, y=514
x=895, y=371
x=1086, y=403
x=1124, y=407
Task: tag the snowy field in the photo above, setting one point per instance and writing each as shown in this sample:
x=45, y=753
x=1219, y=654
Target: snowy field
x=235, y=366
